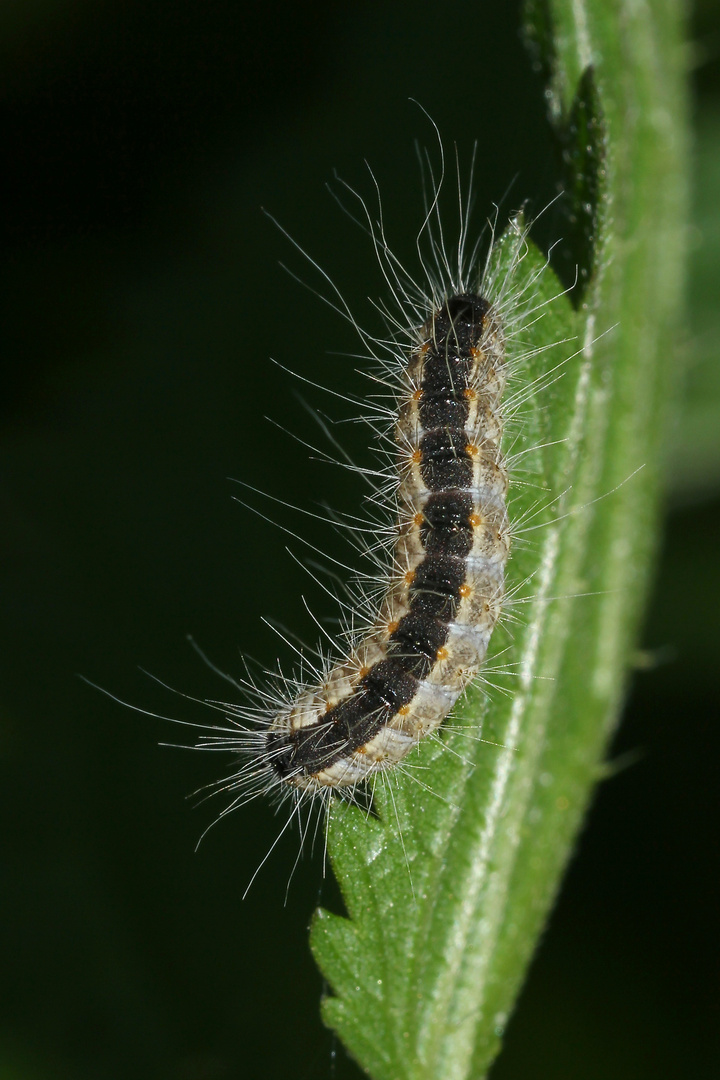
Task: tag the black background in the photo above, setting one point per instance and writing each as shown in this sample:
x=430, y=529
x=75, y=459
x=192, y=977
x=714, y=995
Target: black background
x=141, y=299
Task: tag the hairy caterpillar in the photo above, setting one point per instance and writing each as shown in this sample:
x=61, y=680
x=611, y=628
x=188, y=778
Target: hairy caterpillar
x=445, y=584
x=417, y=631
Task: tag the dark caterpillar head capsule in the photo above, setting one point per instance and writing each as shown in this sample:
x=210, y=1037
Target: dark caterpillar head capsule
x=459, y=323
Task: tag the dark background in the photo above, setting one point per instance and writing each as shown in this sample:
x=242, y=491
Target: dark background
x=141, y=299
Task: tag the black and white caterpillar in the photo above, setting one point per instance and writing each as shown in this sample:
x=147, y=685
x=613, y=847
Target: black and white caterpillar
x=445, y=586
x=417, y=631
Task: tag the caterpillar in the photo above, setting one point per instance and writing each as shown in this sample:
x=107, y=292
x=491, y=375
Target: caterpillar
x=417, y=632
x=445, y=589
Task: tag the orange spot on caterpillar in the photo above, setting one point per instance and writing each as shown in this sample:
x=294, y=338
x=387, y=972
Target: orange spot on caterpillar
x=476, y=520
x=392, y=627
x=409, y=577
x=403, y=710
x=442, y=654
x=472, y=449
x=465, y=590
x=418, y=519
x=416, y=456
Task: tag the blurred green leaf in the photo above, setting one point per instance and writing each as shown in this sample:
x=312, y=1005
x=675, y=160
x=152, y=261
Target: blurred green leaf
x=694, y=458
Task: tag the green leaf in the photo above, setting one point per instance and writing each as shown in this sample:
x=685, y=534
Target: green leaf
x=449, y=886
x=694, y=461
